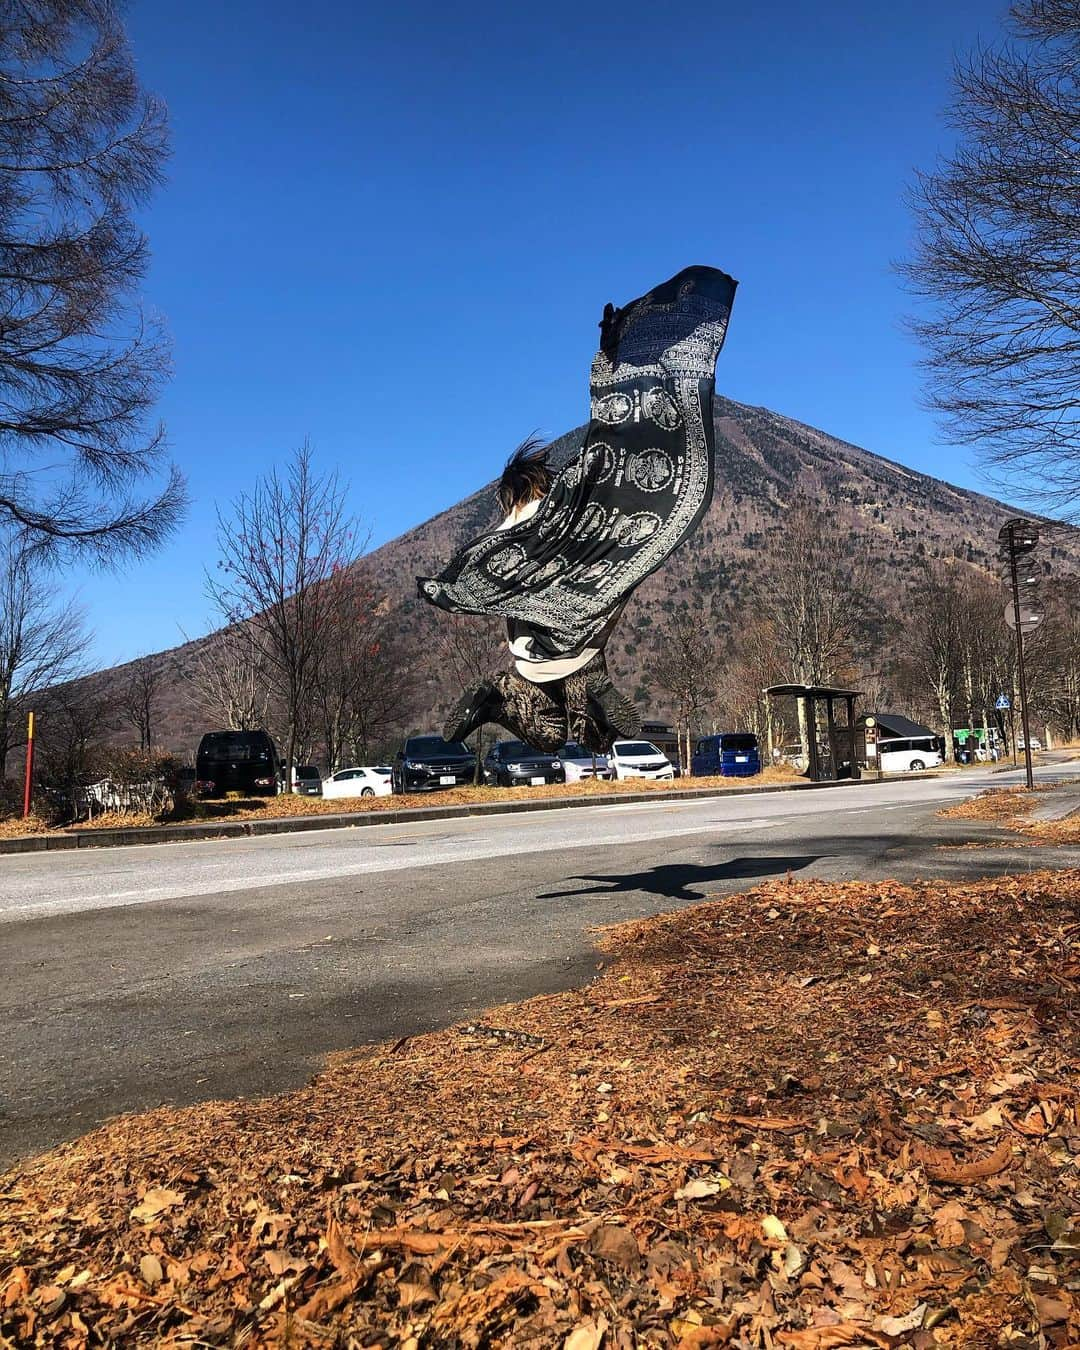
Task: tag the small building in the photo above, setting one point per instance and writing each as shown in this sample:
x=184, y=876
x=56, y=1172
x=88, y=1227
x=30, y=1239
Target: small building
x=878, y=727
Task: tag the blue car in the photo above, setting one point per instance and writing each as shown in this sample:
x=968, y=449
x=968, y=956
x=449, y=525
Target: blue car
x=731, y=754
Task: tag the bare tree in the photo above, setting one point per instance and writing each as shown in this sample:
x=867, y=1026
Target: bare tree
x=996, y=256
x=228, y=682
x=76, y=718
x=1053, y=655
x=81, y=147
x=42, y=643
x=754, y=665
x=359, y=681
x=815, y=595
x=139, y=701
x=951, y=648
x=685, y=665
x=282, y=541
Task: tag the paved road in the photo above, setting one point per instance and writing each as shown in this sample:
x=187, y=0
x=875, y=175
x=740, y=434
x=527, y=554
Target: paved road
x=135, y=976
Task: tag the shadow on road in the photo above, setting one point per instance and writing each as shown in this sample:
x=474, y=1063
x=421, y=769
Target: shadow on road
x=673, y=881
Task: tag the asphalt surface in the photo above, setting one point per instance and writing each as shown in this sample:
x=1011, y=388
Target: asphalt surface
x=130, y=977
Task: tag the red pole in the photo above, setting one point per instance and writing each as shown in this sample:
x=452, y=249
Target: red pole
x=29, y=764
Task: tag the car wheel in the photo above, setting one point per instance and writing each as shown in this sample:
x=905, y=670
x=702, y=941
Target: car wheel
x=367, y=792
x=916, y=765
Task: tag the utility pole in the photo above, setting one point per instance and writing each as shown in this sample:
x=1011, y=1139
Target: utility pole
x=1019, y=537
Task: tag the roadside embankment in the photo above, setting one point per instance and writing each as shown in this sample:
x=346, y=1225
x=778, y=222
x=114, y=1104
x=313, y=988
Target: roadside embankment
x=811, y=1115
x=285, y=815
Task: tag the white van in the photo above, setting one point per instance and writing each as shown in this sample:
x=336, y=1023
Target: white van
x=908, y=755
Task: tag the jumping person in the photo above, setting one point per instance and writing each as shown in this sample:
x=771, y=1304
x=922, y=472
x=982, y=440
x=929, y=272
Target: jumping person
x=575, y=543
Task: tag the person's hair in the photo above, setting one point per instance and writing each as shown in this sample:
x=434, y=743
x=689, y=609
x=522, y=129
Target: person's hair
x=526, y=475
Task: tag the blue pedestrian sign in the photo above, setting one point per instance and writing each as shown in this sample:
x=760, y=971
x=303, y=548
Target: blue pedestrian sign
x=1002, y=702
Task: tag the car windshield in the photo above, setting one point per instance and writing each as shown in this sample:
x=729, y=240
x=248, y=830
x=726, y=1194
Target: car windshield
x=636, y=748
x=517, y=750
x=434, y=745
x=571, y=750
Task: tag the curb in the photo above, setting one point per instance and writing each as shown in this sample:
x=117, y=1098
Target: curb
x=248, y=829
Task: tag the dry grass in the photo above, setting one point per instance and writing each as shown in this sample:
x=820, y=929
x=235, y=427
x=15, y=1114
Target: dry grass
x=15, y=827
x=238, y=808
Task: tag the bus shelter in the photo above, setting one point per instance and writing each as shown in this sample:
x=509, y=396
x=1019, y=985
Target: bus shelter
x=830, y=743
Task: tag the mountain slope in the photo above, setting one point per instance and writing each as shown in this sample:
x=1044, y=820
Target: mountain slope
x=765, y=462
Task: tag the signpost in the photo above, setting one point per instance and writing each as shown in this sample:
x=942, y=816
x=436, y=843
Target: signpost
x=1018, y=537
x=28, y=789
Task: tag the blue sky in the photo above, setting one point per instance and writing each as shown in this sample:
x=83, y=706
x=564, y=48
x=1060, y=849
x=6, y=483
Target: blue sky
x=393, y=228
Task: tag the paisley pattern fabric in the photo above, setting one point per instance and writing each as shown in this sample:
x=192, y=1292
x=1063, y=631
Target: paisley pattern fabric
x=640, y=484
x=546, y=716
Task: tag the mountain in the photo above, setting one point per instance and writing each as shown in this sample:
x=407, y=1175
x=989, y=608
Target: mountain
x=764, y=462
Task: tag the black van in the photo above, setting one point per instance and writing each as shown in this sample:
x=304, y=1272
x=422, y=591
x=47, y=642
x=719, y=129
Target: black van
x=236, y=761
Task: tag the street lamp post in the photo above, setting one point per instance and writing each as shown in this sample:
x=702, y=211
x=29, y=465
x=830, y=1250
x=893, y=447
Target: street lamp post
x=1019, y=537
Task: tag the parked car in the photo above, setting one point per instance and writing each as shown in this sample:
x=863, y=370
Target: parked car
x=578, y=763
x=908, y=756
x=428, y=763
x=639, y=759
x=357, y=782
x=236, y=761
x=731, y=754
x=1036, y=744
x=307, y=780
x=513, y=763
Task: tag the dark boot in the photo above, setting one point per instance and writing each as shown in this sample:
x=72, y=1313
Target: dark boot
x=609, y=706
x=472, y=710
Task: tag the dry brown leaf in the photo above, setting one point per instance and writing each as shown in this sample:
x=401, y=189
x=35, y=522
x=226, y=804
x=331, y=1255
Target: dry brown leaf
x=957, y=1174
x=156, y=1201
x=587, y=1335
x=825, y=1338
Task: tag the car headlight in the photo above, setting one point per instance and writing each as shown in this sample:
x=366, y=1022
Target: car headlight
x=414, y=764
x=556, y=763
x=516, y=768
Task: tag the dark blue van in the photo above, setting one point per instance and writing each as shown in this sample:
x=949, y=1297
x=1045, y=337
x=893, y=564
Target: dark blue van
x=733, y=754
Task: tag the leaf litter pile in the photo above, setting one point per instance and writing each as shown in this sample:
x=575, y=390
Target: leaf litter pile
x=812, y=1115
x=1011, y=807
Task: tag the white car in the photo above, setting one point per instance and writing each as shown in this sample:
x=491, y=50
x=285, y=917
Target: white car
x=908, y=755
x=357, y=782
x=1036, y=744
x=639, y=759
x=578, y=763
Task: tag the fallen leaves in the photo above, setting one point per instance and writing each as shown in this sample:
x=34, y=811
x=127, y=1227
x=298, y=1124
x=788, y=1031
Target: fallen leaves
x=786, y=1157
x=155, y=1202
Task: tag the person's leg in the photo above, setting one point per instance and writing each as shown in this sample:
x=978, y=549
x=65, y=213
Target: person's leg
x=607, y=705
x=534, y=713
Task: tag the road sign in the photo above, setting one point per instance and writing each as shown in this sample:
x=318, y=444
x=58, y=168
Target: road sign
x=1002, y=702
x=1018, y=536
x=1029, y=618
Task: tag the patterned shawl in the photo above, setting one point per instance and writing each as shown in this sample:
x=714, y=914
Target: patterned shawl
x=639, y=485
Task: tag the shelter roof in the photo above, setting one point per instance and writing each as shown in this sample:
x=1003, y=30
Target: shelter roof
x=811, y=691
x=898, y=725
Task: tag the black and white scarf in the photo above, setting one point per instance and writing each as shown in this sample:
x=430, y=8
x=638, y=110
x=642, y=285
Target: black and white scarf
x=639, y=485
